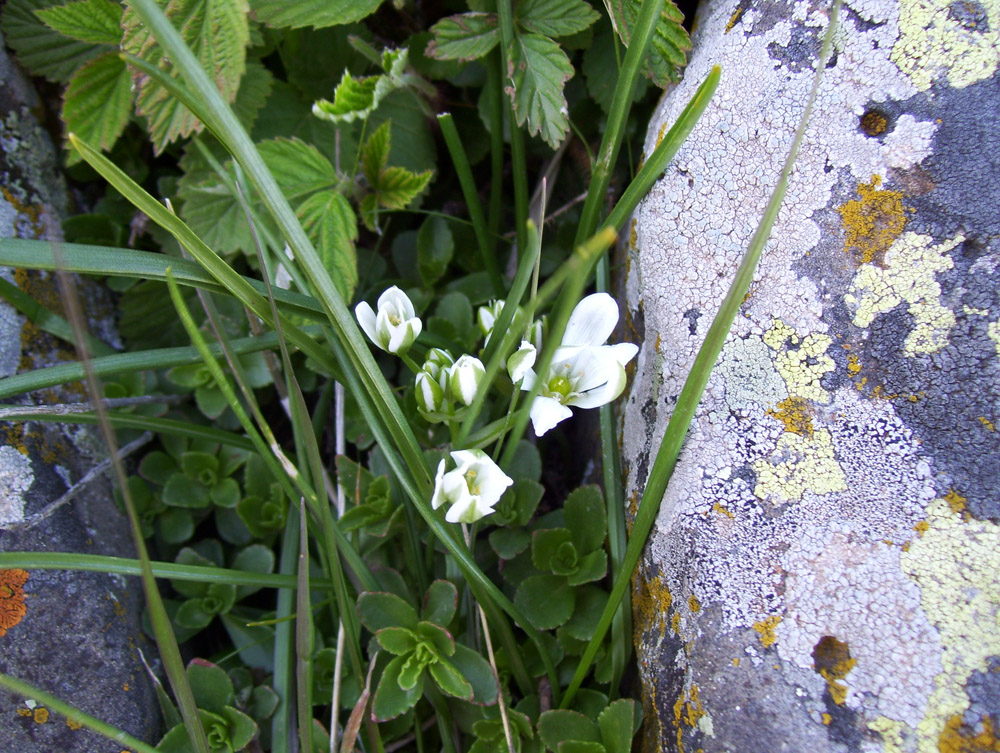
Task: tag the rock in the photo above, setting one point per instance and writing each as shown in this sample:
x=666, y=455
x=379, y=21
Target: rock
x=76, y=635
x=822, y=575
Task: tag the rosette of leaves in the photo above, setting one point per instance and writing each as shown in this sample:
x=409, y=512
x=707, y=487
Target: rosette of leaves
x=565, y=731
x=206, y=601
x=568, y=557
x=491, y=738
x=422, y=651
x=207, y=395
x=195, y=478
x=263, y=508
x=374, y=510
x=227, y=728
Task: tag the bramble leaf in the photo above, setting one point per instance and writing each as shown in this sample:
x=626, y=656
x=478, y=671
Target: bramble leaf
x=555, y=18
x=537, y=73
x=330, y=223
x=98, y=102
x=316, y=13
x=357, y=98
x=39, y=48
x=93, y=21
x=466, y=36
x=667, y=54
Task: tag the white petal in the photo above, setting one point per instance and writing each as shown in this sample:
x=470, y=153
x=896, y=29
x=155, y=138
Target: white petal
x=592, y=321
x=401, y=336
x=624, y=352
x=465, y=458
x=468, y=510
x=546, y=412
x=398, y=301
x=493, y=482
x=612, y=384
x=366, y=318
x=438, y=499
x=519, y=364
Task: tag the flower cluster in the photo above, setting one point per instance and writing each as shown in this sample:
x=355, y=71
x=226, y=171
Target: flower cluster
x=585, y=373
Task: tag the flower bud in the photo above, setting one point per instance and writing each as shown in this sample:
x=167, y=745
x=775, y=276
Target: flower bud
x=395, y=326
x=430, y=396
x=464, y=378
x=521, y=362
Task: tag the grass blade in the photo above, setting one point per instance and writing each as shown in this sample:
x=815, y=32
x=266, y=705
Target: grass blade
x=694, y=385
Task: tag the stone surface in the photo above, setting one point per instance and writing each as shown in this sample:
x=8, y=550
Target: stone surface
x=73, y=634
x=822, y=575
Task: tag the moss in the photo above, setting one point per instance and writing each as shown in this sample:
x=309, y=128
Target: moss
x=766, y=629
x=872, y=223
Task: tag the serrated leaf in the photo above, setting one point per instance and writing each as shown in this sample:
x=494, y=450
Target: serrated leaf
x=330, y=223
x=315, y=13
x=217, y=31
x=586, y=517
x=440, y=603
x=299, y=168
x=466, y=36
x=537, y=72
x=546, y=601
x=559, y=725
x=41, y=50
x=254, y=90
x=390, y=699
x=600, y=68
x=212, y=211
x=555, y=18
x=375, y=154
x=97, y=102
x=450, y=680
x=357, y=98
x=617, y=724
x=667, y=53
x=397, y=186
x=94, y=21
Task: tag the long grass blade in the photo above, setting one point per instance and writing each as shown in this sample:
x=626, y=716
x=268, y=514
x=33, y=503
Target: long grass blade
x=694, y=385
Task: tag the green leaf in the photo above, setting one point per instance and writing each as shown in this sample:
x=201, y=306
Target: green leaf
x=509, y=542
x=450, y=680
x=413, y=143
x=478, y=672
x=555, y=18
x=241, y=728
x=255, y=558
x=670, y=44
x=93, y=21
x=212, y=688
x=618, y=723
x=378, y=610
x=375, y=153
x=226, y=493
x=398, y=186
x=330, y=223
x=435, y=248
x=41, y=50
x=397, y=641
x=182, y=491
x=255, y=643
x=175, y=525
x=254, y=90
x=390, y=699
x=546, y=600
x=298, y=167
x=191, y=614
x=211, y=209
x=357, y=98
x=217, y=33
x=440, y=603
x=315, y=13
x=592, y=566
x=546, y=545
x=537, y=71
x=590, y=601
x=561, y=724
x=586, y=518
x=580, y=746
x=466, y=36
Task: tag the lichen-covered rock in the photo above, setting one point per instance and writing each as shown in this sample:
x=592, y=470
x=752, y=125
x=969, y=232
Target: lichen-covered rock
x=76, y=635
x=823, y=574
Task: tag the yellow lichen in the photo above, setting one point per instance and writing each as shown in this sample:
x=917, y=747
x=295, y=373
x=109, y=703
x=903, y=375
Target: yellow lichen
x=733, y=19
x=891, y=731
x=826, y=718
x=993, y=331
x=873, y=222
x=853, y=365
x=908, y=275
x=74, y=724
x=12, y=606
x=935, y=42
x=736, y=661
x=41, y=715
x=955, y=501
x=874, y=123
x=687, y=711
x=675, y=622
x=987, y=423
x=24, y=712
x=795, y=414
x=959, y=738
x=766, y=629
x=693, y=604
x=801, y=362
x=921, y=527
x=805, y=464
x=651, y=602
x=955, y=564
x=633, y=237
x=722, y=510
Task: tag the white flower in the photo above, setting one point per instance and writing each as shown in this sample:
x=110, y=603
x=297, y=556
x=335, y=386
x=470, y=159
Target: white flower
x=472, y=489
x=395, y=327
x=585, y=372
x=464, y=378
x=519, y=364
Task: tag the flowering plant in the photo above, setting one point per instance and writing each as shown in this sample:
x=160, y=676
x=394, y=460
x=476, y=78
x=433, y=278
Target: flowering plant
x=472, y=489
x=395, y=326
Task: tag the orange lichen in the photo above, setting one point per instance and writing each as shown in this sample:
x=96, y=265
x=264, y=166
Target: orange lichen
x=12, y=606
x=795, y=414
x=955, y=501
x=826, y=718
x=874, y=123
x=873, y=222
x=853, y=365
x=41, y=715
x=716, y=507
x=765, y=628
x=687, y=710
x=651, y=602
x=958, y=738
x=921, y=527
x=24, y=712
x=987, y=423
x=73, y=724
x=693, y=604
x=736, y=661
x=832, y=660
x=733, y=19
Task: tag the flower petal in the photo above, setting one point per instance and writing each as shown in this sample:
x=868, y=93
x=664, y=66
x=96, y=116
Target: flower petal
x=624, y=352
x=520, y=363
x=546, y=412
x=395, y=299
x=612, y=383
x=438, y=499
x=366, y=318
x=592, y=321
